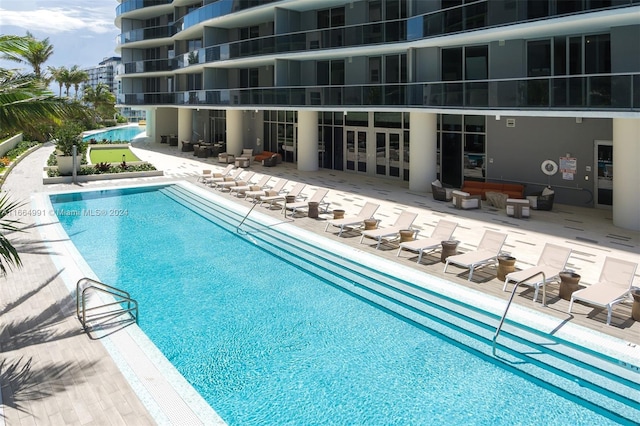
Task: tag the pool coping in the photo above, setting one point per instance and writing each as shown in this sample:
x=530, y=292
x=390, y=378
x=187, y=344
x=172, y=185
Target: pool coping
x=136, y=343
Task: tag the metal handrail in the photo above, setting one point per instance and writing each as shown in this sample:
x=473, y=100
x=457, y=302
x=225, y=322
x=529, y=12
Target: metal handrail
x=245, y=217
x=544, y=301
x=120, y=295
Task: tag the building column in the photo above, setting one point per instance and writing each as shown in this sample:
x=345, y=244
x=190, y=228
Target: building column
x=626, y=152
x=185, y=124
x=308, y=141
x=423, y=150
x=234, y=131
x=150, y=118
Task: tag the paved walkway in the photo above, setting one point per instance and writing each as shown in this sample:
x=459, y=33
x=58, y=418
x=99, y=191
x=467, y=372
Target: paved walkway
x=52, y=373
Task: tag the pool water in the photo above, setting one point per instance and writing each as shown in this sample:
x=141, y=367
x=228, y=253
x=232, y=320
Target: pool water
x=266, y=342
x=125, y=133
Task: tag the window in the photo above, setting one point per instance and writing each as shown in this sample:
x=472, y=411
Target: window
x=475, y=63
x=539, y=58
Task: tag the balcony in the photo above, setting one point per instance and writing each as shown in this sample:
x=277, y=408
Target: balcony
x=153, y=65
x=149, y=33
x=619, y=92
x=131, y=5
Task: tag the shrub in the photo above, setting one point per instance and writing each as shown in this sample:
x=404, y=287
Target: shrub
x=102, y=167
x=66, y=136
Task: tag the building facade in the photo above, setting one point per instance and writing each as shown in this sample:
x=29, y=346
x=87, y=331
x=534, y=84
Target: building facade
x=539, y=92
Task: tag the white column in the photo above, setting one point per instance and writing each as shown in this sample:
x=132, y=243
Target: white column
x=308, y=141
x=234, y=131
x=150, y=118
x=185, y=126
x=423, y=139
x=626, y=175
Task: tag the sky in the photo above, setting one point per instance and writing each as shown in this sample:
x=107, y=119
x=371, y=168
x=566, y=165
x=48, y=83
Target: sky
x=82, y=32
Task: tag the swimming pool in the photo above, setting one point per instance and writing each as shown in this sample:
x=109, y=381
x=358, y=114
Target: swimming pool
x=123, y=133
x=351, y=356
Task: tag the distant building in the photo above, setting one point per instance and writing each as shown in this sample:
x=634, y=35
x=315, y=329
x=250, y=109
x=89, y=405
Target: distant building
x=104, y=73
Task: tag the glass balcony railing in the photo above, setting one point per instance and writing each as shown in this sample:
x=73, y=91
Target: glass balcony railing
x=149, y=66
x=131, y=5
x=620, y=92
x=148, y=33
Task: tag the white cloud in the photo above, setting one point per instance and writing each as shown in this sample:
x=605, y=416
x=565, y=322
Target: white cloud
x=60, y=20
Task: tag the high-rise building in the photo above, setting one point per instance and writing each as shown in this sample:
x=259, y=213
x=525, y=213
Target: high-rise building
x=537, y=92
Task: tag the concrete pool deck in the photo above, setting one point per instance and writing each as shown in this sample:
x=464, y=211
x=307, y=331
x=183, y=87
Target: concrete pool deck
x=52, y=373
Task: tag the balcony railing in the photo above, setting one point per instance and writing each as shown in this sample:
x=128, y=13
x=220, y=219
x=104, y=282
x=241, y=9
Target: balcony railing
x=152, y=65
x=148, y=33
x=131, y=5
x=618, y=92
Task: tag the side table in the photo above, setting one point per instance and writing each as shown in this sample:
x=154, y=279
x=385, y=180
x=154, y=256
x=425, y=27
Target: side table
x=568, y=284
x=635, y=308
x=506, y=265
x=449, y=248
x=370, y=224
x=313, y=209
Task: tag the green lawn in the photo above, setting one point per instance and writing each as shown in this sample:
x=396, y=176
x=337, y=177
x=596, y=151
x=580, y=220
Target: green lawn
x=112, y=155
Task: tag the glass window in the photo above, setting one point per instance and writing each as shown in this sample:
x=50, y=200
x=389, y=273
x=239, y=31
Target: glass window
x=559, y=56
x=337, y=72
x=323, y=19
x=337, y=17
x=539, y=58
x=475, y=63
x=452, y=123
x=374, y=70
x=322, y=73
x=392, y=69
x=375, y=11
x=391, y=120
x=359, y=119
x=474, y=123
x=452, y=64
x=575, y=55
x=597, y=54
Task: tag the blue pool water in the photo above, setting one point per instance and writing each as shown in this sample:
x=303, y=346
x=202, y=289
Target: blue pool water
x=126, y=133
x=265, y=342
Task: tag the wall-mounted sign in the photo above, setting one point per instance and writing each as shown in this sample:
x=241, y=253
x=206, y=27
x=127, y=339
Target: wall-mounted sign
x=568, y=167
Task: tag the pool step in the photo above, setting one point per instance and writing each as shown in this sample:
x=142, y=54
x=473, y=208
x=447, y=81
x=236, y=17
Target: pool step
x=601, y=384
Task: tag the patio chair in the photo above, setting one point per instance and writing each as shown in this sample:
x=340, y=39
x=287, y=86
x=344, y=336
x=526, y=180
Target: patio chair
x=613, y=287
x=242, y=189
x=367, y=212
x=239, y=181
x=404, y=221
x=317, y=197
x=276, y=189
x=553, y=260
x=487, y=252
x=442, y=232
x=440, y=193
x=294, y=192
x=231, y=175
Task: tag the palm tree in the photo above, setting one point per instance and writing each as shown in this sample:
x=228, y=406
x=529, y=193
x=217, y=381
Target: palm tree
x=77, y=77
x=101, y=98
x=59, y=75
x=25, y=101
x=8, y=254
x=36, y=53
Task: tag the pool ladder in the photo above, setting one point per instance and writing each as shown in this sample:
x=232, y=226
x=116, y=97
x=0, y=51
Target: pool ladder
x=544, y=303
x=101, y=314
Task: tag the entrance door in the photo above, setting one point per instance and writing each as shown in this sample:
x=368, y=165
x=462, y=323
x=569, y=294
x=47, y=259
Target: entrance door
x=604, y=173
x=356, y=150
x=388, y=154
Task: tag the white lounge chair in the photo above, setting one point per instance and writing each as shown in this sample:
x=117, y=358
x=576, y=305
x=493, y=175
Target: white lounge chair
x=239, y=181
x=442, y=232
x=487, y=252
x=272, y=199
x=233, y=175
x=219, y=175
x=552, y=261
x=317, y=197
x=614, y=286
x=366, y=212
x=274, y=190
x=242, y=189
x=206, y=174
x=404, y=221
